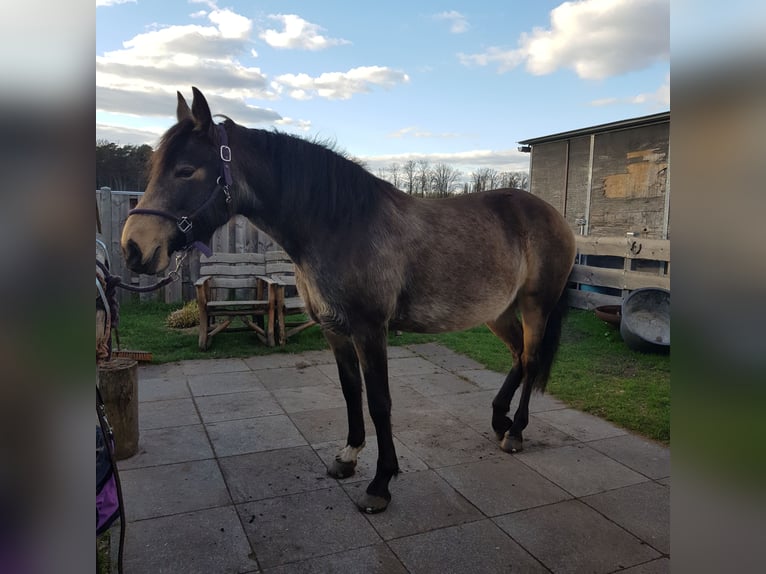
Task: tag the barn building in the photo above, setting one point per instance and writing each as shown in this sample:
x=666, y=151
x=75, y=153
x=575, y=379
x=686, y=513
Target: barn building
x=612, y=183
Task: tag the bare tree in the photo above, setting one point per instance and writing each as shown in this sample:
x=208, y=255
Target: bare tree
x=409, y=173
x=423, y=176
x=394, y=174
x=443, y=178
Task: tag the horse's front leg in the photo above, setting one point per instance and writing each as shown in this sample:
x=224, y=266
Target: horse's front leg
x=344, y=464
x=371, y=349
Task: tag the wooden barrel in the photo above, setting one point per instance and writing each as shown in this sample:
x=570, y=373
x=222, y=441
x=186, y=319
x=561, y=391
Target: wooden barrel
x=118, y=381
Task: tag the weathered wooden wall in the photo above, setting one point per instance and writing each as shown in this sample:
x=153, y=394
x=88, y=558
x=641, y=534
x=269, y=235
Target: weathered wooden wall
x=621, y=188
x=237, y=236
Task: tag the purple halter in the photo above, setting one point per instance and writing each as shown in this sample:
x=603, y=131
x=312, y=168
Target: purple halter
x=186, y=222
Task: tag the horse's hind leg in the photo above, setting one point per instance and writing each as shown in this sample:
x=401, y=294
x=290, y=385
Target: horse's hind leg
x=508, y=329
x=344, y=464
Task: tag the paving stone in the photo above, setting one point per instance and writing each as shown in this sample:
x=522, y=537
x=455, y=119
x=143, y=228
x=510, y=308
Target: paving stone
x=411, y=366
x=233, y=406
x=642, y=455
x=274, y=361
x=207, y=366
x=582, y=426
x=431, y=384
x=421, y=501
x=169, y=445
x=200, y=542
x=309, y=398
x=376, y=559
x=368, y=459
x=428, y=350
x=318, y=357
x=253, y=435
x=165, y=370
x=399, y=352
x=446, y=442
x=474, y=548
x=579, y=469
x=162, y=389
x=223, y=383
x=571, y=537
x=323, y=425
x=273, y=473
x=484, y=378
x=305, y=525
x=659, y=566
x=172, y=489
x=540, y=435
x=501, y=485
x=163, y=414
x=454, y=362
x=642, y=509
x=293, y=378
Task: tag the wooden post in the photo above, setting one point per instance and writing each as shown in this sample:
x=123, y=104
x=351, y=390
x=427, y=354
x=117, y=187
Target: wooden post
x=118, y=382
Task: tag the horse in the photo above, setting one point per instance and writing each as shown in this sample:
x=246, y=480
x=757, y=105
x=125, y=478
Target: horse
x=368, y=258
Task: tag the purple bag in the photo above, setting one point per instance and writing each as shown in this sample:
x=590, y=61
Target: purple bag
x=107, y=497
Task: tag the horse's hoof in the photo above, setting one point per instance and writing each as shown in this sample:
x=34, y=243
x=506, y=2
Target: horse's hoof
x=501, y=427
x=512, y=444
x=342, y=469
x=371, y=504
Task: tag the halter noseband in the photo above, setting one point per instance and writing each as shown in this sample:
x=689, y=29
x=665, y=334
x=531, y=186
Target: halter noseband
x=185, y=223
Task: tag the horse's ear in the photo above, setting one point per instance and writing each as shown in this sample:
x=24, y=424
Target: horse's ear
x=182, y=111
x=203, y=119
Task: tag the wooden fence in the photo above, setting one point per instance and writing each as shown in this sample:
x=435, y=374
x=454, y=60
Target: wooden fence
x=238, y=236
x=608, y=268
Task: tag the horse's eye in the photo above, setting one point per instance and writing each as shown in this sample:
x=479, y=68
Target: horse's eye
x=185, y=171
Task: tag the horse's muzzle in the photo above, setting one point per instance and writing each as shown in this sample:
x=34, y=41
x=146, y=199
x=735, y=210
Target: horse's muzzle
x=134, y=258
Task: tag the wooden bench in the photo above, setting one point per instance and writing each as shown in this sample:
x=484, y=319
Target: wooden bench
x=280, y=271
x=234, y=285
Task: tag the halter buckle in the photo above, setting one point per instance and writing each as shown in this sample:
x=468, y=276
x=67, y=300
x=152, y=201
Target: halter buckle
x=225, y=153
x=184, y=224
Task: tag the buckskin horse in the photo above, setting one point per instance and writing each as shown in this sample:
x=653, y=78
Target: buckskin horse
x=368, y=258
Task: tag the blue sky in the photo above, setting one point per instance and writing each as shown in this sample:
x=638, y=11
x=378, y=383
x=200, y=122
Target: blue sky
x=456, y=82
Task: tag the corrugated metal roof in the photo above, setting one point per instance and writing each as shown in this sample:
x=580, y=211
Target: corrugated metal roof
x=659, y=118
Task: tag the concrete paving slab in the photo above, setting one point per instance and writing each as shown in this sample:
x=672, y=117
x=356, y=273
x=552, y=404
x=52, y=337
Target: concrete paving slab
x=582, y=426
x=454, y=362
x=571, y=537
x=309, y=398
x=640, y=454
x=430, y=349
x=163, y=414
x=223, y=383
x=232, y=406
x=411, y=366
x=484, y=378
x=208, y=366
x=293, y=378
x=323, y=425
x=253, y=435
x=579, y=469
x=274, y=361
x=198, y=542
x=421, y=501
x=501, y=485
x=368, y=459
x=430, y=384
x=376, y=559
x=400, y=352
x=166, y=370
x=660, y=566
x=173, y=489
x=305, y=525
x=473, y=548
x=168, y=446
x=161, y=389
x=260, y=475
x=642, y=509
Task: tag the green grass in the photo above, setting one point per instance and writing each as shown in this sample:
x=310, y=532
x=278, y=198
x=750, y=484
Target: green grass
x=594, y=371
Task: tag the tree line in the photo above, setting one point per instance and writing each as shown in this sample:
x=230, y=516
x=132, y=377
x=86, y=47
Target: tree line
x=422, y=179
x=124, y=168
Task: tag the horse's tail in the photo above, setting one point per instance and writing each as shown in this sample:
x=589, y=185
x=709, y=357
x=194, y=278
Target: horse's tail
x=550, y=343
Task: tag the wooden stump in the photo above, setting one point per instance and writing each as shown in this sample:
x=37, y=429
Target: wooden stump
x=118, y=381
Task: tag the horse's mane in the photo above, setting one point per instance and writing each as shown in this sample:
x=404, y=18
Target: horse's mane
x=315, y=179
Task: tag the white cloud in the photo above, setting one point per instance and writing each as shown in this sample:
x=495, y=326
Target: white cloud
x=127, y=136
x=458, y=22
x=416, y=132
x=465, y=161
x=340, y=85
x=301, y=125
x=103, y=3
x=299, y=34
x=660, y=98
x=595, y=38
